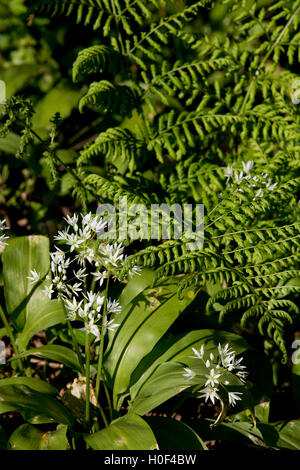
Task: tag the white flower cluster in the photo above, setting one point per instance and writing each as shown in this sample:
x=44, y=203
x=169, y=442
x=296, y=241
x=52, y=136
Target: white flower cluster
x=226, y=360
x=2, y=236
x=105, y=259
x=261, y=183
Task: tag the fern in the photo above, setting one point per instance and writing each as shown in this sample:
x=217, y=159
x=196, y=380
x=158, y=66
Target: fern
x=201, y=106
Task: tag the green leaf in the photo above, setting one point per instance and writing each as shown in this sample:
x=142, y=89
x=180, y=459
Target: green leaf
x=55, y=352
x=35, y=384
x=50, y=314
x=59, y=99
x=10, y=143
x=279, y=435
x=142, y=323
x=20, y=256
x=172, y=434
x=135, y=286
x=28, y=437
x=288, y=435
x=30, y=403
x=166, y=382
x=18, y=77
x=179, y=349
x=130, y=432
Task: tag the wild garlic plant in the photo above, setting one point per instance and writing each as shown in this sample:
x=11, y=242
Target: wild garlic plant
x=77, y=277
x=216, y=385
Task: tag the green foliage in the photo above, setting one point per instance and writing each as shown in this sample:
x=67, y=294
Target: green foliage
x=226, y=99
x=167, y=102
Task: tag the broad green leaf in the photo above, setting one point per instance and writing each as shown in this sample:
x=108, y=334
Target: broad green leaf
x=179, y=349
x=243, y=432
x=50, y=314
x=288, y=435
x=279, y=435
x=19, y=76
x=172, y=434
x=29, y=402
x=142, y=323
x=28, y=437
x=166, y=382
x=10, y=143
x=20, y=256
x=130, y=432
x=136, y=285
x=35, y=384
x=59, y=99
x=55, y=352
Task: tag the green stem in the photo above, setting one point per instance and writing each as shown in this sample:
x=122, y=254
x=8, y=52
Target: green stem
x=87, y=378
x=11, y=337
x=100, y=361
x=103, y=415
x=108, y=401
x=75, y=345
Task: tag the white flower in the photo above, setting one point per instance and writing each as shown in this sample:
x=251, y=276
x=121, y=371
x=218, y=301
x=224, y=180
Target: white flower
x=207, y=363
x=198, y=354
x=62, y=235
x=212, y=378
x=94, y=223
x=259, y=194
x=242, y=375
x=100, y=276
x=3, y=225
x=209, y=393
x=73, y=306
x=2, y=242
x=86, y=254
x=71, y=316
x=75, y=288
x=238, y=177
x=74, y=241
x=225, y=350
x=85, y=311
x=86, y=218
x=233, y=397
x=48, y=291
x=229, y=172
x=189, y=373
x=112, y=253
x=34, y=276
x=80, y=274
x=2, y=236
x=99, y=302
x=113, y=306
x=73, y=221
x=226, y=356
x=109, y=325
x=135, y=270
x=91, y=297
x=271, y=186
x=85, y=234
x=91, y=328
x=247, y=166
